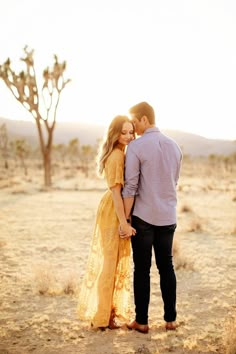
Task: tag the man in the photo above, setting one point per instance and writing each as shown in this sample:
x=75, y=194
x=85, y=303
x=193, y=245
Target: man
x=151, y=174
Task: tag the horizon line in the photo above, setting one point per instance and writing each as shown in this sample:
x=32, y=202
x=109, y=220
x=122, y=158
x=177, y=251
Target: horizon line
x=102, y=125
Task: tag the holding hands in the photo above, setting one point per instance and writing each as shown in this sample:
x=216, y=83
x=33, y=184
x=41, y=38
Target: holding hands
x=126, y=230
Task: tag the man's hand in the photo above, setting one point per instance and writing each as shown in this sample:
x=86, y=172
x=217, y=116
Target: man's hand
x=126, y=231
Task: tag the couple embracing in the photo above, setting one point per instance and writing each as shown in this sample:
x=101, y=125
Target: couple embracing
x=138, y=209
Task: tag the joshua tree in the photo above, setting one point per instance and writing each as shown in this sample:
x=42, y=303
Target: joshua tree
x=73, y=150
x=4, y=143
x=87, y=155
x=59, y=152
x=22, y=150
x=25, y=89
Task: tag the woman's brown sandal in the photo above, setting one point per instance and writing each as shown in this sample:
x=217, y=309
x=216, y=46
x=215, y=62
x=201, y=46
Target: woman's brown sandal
x=112, y=321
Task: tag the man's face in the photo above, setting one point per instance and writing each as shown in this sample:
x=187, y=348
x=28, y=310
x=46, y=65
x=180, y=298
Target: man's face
x=138, y=125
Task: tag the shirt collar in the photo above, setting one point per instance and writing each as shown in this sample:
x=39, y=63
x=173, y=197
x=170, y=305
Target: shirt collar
x=150, y=130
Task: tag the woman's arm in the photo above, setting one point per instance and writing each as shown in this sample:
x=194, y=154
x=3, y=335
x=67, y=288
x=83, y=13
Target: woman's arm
x=126, y=228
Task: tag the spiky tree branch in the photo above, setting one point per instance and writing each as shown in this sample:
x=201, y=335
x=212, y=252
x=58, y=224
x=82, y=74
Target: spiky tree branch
x=25, y=89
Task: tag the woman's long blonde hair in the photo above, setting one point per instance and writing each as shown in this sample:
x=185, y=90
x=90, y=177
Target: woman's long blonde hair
x=110, y=141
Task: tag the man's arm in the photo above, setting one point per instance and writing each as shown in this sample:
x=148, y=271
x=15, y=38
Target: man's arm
x=128, y=205
x=132, y=171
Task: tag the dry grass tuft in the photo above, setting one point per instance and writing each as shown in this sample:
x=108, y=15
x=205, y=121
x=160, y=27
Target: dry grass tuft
x=48, y=281
x=190, y=343
x=194, y=226
x=70, y=284
x=180, y=260
x=230, y=335
x=4, y=184
x=186, y=209
x=69, y=175
x=143, y=350
x=2, y=244
x=14, y=182
x=210, y=187
x=233, y=231
x=19, y=190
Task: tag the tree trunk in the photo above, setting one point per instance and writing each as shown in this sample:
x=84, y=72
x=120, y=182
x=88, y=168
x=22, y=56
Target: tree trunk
x=46, y=151
x=47, y=168
x=24, y=166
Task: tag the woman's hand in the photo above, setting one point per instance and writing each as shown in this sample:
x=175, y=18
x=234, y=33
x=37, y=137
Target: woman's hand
x=126, y=230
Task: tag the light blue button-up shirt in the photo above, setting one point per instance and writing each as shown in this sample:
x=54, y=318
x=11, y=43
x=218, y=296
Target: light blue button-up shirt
x=152, y=171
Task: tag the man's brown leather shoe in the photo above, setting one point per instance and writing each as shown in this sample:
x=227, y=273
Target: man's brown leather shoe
x=171, y=326
x=138, y=327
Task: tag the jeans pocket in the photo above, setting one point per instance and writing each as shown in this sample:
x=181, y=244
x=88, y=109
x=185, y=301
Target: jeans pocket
x=171, y=228
x=140, y=224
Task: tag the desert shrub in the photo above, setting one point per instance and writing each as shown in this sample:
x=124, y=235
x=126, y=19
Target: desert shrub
x=180, y=260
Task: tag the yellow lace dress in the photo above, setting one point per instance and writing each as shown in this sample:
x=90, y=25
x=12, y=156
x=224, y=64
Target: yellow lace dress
x=106, y=284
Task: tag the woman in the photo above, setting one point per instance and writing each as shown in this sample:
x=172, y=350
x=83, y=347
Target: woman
x=105, y=290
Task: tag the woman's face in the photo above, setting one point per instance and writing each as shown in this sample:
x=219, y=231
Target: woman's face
x=138, y=124
x=127, y=133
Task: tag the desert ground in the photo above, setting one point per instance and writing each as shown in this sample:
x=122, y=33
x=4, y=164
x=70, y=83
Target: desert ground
x=44, y=243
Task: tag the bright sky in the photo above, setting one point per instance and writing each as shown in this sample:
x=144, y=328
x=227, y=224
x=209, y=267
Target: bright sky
x=179, y=55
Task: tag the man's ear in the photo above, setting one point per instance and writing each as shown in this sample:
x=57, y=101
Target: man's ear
x=145, y=120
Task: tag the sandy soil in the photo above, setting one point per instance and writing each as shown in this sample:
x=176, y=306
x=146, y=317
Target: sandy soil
x=44, y=243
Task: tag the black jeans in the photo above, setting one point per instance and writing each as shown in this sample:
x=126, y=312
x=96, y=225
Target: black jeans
x=161, y=238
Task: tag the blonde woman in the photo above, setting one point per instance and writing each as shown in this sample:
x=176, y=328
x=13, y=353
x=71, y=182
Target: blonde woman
x=105, y=290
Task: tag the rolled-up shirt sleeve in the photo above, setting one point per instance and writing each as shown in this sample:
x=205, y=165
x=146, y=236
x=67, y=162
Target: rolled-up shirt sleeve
x=132, y=171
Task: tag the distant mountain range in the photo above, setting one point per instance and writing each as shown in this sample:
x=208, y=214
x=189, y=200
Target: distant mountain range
x=191, y=144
